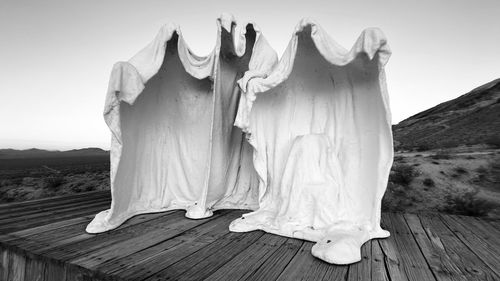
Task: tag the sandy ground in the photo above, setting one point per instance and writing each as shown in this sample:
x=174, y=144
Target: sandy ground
x=29, y=186
x=439, y=173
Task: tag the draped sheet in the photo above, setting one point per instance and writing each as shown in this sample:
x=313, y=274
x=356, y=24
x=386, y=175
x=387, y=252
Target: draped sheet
x=320, y=127
x=171, y=115
x=318, y=148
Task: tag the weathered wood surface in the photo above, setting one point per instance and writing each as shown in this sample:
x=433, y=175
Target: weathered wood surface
x=45, y=240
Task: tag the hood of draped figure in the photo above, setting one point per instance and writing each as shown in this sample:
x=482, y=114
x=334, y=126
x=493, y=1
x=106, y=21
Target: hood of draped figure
x=171, y=116
x=320, y=126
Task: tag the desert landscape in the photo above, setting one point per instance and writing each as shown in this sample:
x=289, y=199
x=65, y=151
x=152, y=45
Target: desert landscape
x=447, y=159
x=34, y=173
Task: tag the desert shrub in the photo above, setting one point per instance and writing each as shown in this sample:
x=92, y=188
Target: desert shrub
x=493, y=141
x=428, y=182
x=415, y=198
x=14, y=194
x=6, y=197
x=399, y=198
x=4, y=182
x=460, y=170
x=29, y=181
x=489, y=175
x=54, y=181
x=423, y=147
x=17, y=180
x=394, y=198
x=442, y=154
x=468, y=203
x=402, y=174
x=480, y=178
x=481, y=170
x=450, y=143
x=75, y=186
x=398, y=158
x=89, y=187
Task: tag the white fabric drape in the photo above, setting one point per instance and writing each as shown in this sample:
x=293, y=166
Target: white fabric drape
x=317, y=122
x=171, y=115
x=320, y=127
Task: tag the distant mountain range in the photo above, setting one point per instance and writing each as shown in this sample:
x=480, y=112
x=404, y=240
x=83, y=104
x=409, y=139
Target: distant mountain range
x=473, y=118
x=40, y=153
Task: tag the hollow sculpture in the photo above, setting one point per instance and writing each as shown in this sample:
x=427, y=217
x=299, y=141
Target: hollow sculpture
x=310, y=150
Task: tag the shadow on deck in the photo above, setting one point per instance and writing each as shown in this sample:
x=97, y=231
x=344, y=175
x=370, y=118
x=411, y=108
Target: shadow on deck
x=46, y=240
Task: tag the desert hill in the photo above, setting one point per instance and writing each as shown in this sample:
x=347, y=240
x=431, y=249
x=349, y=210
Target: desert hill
x=473, y=118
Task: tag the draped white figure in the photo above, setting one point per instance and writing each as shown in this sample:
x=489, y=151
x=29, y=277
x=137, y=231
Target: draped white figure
x=318, y=126
x=171, y=115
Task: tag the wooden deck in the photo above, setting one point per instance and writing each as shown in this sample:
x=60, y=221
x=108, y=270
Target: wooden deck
x=45, y=240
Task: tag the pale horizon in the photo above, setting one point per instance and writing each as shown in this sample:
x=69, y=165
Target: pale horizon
x=56, y=56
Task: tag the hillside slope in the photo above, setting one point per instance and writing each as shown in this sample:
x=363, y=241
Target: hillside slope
x=473, y=118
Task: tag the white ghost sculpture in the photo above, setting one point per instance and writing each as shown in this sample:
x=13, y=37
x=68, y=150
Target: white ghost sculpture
x=318, y=125
x=171, y=115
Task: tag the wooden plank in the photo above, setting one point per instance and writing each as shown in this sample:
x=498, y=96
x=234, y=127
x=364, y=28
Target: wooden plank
x=392, y=257
x=31, y=206
x=72, y=239
x=4, y=263
x=54, y=272
x=153, y=259
x=75, y=273
x=442, y=237
x=136, y=244
x=167, y=246
x=65, y=234
x=35, y=270
x=52, y=212
x=494, y=223
x=48, y=227
x=51, y=200
x=378, y=266
x=336, y=272
x=414, y=263
x=275, y=264
x=490, y=224
x=488, y=233
x=440, y=263
x=481, y=248
x=60, y=217
x=17, y=266
x=46, y=239
x=126, y=228
x=170, y=225
x=250, y=259
x=361, y=270
x=207, y=260
x=10, y=216
x=304, y=266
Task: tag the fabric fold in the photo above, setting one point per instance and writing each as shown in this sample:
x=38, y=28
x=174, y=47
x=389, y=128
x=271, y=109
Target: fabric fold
x=320, y=127
x=171, y=115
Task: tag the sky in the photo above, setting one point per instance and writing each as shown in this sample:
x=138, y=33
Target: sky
x=56, y=56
